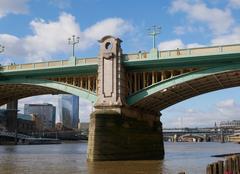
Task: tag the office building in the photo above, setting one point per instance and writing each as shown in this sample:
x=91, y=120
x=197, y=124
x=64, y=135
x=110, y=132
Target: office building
x=45, y=112
x=69, y=110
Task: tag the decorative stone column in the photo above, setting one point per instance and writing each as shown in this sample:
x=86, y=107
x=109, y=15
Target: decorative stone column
x=111, y=84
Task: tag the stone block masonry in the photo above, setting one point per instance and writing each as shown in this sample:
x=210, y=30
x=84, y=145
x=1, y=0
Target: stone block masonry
x=114, y=136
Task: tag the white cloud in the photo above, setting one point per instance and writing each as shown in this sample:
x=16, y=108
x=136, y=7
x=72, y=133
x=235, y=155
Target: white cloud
x=176, y=43
x=85, y=109
x=228, y=108
x=231, y=38
x=13, y=46
x=186, y=29
x=180, y=30
x=199, y=12
x=50, y=37
x=234, y=3
x=170, y=45
x=195, y=45
x=13, y=6
x=226, y=103
x=111, y=26
x=224, y=110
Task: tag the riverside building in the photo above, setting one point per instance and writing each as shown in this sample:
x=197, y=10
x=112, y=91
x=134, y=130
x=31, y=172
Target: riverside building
x=45, y=112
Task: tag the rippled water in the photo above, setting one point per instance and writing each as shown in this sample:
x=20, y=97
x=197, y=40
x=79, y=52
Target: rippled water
x=70, y=158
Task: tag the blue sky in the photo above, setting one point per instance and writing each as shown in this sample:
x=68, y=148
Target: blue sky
x=37, y=30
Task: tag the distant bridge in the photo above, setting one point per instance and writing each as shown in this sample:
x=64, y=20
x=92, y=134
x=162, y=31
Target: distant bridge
x=203, y=134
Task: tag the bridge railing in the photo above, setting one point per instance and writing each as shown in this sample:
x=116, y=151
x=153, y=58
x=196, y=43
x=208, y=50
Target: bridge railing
x=235, y=48
x=136, y=56
x=49, y=64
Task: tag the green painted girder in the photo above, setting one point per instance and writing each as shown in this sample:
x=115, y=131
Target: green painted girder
x=182, y=62
x=87, y=69
x=82, y=93
x=146, y=92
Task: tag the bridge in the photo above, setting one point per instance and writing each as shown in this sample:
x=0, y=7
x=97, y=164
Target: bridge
x=199, y=134
x=128, y=90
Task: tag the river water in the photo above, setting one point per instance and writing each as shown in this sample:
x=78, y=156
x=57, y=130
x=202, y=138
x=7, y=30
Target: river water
x=70, y=158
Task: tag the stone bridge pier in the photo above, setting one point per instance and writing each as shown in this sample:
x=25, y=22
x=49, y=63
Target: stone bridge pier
x=118, y=131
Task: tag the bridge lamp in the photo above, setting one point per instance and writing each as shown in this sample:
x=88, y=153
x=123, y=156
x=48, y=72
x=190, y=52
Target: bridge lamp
x=73, y=41
x=153, y=32
x=2, y=48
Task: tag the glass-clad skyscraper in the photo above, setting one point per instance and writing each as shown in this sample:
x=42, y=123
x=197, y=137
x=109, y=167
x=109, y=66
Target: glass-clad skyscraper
x=69, y=110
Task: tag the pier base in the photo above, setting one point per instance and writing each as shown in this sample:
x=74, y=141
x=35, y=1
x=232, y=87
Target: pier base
x=113, y=136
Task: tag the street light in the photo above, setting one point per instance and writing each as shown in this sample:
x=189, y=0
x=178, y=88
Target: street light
x=153, y=32
x=73, y=41
x=1, y=48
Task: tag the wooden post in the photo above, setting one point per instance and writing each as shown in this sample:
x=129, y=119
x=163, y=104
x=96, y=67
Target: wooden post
x=233, y=160
x=220, y=167
x=229, y=166
x=215, y=168
x=238, y=163
x=209, y=169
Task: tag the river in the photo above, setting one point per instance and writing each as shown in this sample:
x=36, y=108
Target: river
x=70, y=158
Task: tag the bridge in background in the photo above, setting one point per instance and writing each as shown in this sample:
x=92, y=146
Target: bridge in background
x=197, y=134
x=128, y=90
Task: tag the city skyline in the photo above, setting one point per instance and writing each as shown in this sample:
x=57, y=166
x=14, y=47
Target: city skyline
x=41, y=36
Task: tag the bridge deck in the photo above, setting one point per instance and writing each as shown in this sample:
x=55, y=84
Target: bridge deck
x=141, y=56
x=49, y=64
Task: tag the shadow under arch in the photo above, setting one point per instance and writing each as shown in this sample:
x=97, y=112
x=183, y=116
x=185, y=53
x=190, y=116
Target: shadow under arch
x=15, y=88
x=171, y=91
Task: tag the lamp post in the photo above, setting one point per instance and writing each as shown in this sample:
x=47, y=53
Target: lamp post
x=2, y=48
x=73, y=41
x=153, y=32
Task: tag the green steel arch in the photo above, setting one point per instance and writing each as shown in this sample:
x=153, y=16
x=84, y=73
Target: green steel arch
x=66, y=88
x=145, y=93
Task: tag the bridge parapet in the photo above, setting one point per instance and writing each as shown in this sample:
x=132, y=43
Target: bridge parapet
x=49, y=64
x=188, y=52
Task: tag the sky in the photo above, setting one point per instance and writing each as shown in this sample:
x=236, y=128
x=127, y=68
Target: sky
x=37, y=30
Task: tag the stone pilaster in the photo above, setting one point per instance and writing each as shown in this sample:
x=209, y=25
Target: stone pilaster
x=111, y=86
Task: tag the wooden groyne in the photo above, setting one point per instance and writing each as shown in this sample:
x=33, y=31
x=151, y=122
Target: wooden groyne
x=230, y=166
